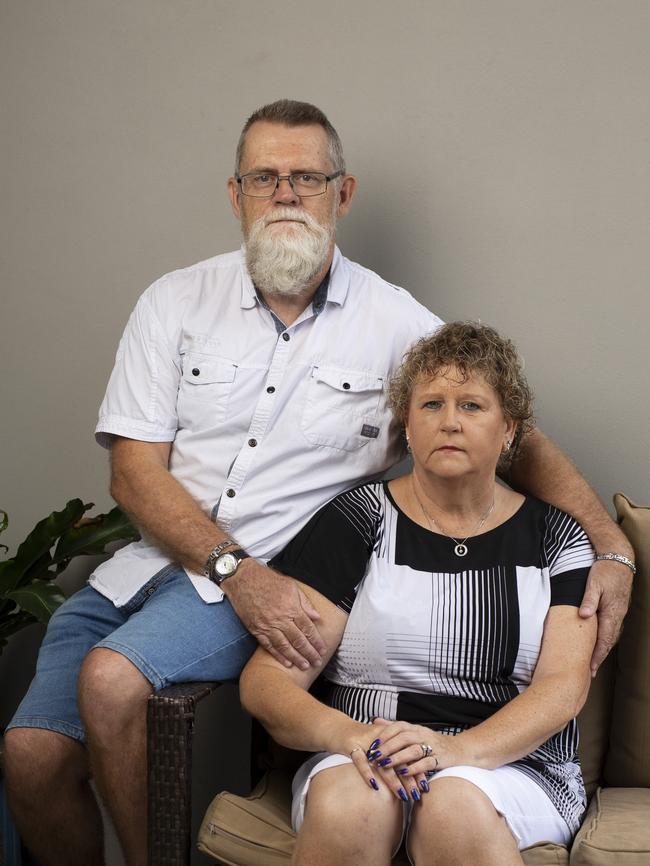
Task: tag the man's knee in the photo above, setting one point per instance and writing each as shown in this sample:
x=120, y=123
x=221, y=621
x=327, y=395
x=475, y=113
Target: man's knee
x=37, y=758
x=112, y=691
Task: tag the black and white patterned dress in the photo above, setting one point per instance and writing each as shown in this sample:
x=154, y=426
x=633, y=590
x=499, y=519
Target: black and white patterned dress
x=439, y=640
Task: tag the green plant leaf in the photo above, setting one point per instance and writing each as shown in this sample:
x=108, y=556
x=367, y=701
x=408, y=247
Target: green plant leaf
x=38, y=543
x=38, y=598
x=4, y=523
x=13, y=623
x=91, y=536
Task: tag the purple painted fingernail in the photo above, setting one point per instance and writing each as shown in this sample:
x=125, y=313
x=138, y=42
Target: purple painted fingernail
x=403, y=795
x=374, y=745
x=374, y=755
x=403, y=771
x=384, y=762
x=424, y=785
x=415, y=795
x=373, y=784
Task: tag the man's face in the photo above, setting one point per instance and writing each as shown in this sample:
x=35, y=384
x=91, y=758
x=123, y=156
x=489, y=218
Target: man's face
x=289, y=240
x=285, y=149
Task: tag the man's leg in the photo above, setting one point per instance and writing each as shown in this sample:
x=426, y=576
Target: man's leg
x=46, y=763
x=173, y=637
x=50, y=798
x=113, y=704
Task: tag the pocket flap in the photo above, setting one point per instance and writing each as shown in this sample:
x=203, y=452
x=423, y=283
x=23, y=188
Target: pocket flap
x=348, y=380
x=204, y=370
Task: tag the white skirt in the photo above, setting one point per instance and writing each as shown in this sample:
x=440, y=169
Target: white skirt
x=528, y=811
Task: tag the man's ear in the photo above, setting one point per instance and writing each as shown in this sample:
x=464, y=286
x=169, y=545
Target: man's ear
x=346, y=193
x=233, y=195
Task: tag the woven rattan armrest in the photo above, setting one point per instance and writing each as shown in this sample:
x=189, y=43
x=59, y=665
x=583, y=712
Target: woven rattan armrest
x=170, y=728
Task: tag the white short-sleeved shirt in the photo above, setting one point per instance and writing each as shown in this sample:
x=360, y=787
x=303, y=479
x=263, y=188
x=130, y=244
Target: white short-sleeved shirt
x=267, y=423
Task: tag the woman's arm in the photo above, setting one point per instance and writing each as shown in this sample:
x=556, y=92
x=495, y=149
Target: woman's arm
x=556, y=694
x=542, y=470
x=279, y=696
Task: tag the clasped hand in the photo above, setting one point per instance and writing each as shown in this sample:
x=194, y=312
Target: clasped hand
x=401, y=755
x=276, y=611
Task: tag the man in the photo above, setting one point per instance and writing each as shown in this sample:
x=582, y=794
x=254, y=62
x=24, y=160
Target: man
x=247, y=391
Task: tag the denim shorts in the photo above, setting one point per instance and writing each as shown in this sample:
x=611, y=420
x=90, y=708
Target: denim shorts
x=166, y=630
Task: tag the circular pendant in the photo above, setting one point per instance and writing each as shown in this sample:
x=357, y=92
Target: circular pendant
x=460, y=550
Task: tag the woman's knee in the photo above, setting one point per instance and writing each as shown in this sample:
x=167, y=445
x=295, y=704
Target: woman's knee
x=457, y=820
x=112, y=692
x=340, y=800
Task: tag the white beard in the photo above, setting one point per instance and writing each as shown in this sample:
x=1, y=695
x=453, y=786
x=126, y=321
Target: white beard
x=284, y=260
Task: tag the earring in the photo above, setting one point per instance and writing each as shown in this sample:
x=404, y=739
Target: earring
x=508, y=446
x=408, y=443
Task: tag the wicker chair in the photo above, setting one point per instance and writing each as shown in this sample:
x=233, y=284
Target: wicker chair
x=170, y=729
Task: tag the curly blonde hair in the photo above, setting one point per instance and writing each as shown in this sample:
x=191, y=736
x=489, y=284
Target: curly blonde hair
x=473, y=349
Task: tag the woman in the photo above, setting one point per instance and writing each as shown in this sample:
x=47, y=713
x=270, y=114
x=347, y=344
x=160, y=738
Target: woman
x=457, y=659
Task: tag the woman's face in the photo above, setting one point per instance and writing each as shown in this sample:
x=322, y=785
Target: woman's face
x=457, y=428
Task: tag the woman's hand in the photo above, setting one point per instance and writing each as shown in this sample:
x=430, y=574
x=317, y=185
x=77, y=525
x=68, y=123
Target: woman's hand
x=414, y=750
x=375, y=769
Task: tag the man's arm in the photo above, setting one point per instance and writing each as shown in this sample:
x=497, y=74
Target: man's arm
x=270, y=605
x=542, y=470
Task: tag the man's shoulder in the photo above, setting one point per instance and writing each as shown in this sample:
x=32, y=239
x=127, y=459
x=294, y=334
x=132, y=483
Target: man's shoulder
x=178, y=286
x=222, y=262
x=387, y=297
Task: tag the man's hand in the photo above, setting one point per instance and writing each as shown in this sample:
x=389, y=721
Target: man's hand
x=277, y=613
x=608, y=595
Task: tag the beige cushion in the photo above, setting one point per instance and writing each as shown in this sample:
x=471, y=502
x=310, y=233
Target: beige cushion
x=616, y=829
x=594, y=723
x=628, y=760
x=545, y=854
x=253, y=830
x=256, y=830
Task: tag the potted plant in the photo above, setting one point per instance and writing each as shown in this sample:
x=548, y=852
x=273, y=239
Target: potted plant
x=28, y=591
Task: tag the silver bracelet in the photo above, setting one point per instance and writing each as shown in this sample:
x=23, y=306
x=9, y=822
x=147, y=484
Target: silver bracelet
x=617, y=557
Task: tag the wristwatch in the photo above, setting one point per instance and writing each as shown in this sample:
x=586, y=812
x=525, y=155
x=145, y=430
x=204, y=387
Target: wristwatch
x=225, y=565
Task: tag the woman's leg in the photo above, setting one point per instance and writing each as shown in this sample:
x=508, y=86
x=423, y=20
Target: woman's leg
x=456, y=825
x=347, y=823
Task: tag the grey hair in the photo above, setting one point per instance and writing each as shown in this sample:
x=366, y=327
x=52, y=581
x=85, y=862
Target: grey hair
x=292, y=113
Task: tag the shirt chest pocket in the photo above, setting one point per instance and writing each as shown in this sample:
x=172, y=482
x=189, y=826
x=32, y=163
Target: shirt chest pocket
x=205, y=389
x=343, y=408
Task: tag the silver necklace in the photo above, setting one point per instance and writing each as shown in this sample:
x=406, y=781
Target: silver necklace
x=460, y=548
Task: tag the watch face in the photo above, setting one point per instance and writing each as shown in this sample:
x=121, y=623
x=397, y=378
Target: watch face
x=226, y=564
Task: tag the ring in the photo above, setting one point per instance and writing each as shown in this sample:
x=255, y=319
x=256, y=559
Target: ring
x=356, y=749
x=426, y=750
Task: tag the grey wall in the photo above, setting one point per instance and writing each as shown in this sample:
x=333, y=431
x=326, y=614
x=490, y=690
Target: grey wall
x=502, y=155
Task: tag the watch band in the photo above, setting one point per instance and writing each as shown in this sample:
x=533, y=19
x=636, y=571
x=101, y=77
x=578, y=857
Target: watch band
x=215, y=553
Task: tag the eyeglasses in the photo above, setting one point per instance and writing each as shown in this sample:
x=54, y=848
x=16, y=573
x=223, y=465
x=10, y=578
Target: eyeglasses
x=263, y=184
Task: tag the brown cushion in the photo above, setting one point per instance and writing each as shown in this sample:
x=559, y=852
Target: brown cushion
x=616, y=829
x=628, y=760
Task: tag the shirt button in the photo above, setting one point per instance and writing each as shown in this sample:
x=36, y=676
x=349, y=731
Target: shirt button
x=230, y=492
x=270, y=390
x=286, y=337
x=196, y=371
x=252, y=442
x=346, y=385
